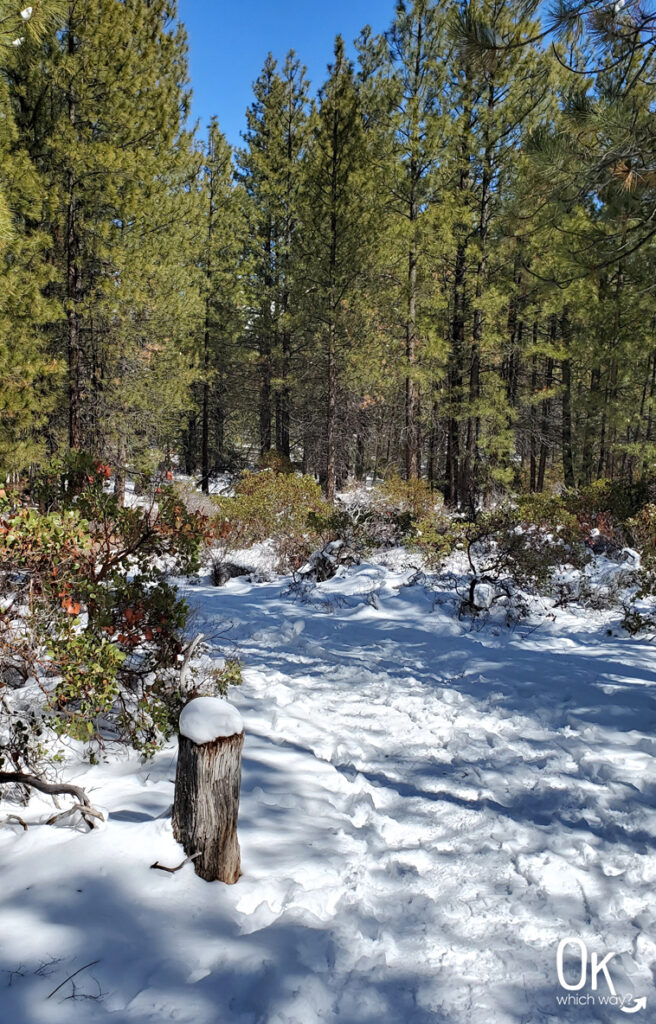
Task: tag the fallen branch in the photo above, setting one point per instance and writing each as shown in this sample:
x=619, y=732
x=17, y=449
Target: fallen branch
x=187, y=860
x=93, y=962
x=53, y=789
x=15, y=817
x=84, y=811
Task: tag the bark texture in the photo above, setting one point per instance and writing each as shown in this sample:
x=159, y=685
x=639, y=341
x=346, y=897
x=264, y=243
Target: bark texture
x=206, y=805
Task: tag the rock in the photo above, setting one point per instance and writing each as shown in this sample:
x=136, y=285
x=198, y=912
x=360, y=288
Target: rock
x=630, y=558
x=12, y=676
x=222, y=572
x=484, y=594
x=599, y=544
x=322, y=565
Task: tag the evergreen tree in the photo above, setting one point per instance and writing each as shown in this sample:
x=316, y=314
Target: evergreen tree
x=338, y=235
x=406, y=100
x=222, y=260
x=103, y=102
x=27, y=373
x=270, y=170
x=495, y=103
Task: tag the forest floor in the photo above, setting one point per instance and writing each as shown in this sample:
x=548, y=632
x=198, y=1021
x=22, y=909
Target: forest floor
x=429, y=805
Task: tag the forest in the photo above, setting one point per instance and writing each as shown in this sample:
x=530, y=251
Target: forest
x=355, y=423
x=439, y=264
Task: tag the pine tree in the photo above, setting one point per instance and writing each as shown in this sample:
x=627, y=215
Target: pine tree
x=270, y=170
x=406, y=95
x=27, y=374
x=339, y=242
x=103, y=102
x=496, y=103
x=221, y=260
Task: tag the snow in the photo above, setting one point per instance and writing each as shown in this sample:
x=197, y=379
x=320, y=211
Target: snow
x=429, y=805
x=205, y=719
x=483, y=595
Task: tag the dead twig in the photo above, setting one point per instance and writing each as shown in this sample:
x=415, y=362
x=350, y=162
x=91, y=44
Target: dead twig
x=15, y=817
x=93, y=962
x=188, y=655
x=52, y=789
x=162, y=867
x=84, y=811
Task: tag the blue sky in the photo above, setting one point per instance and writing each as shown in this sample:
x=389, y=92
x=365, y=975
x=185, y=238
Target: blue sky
x=229, y=40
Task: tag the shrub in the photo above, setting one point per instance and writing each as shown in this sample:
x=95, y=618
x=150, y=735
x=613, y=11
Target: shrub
x=275, y=461
x=436, y=536
x=86, y=598
x=642, y=530
x=283, y=507
x=411, y=497
x=550, y=514
x=521, y=543
x=607, y=505
x=387, y=515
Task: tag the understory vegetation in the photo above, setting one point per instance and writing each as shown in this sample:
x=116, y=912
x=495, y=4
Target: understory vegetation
x=94, y=640
x=92, y=631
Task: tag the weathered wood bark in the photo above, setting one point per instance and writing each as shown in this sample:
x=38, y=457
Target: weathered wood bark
x=207, y=336
x=566, y=429
x=56, y=789
x=206, y=805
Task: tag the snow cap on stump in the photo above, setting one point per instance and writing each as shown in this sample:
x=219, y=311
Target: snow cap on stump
x=205, y=719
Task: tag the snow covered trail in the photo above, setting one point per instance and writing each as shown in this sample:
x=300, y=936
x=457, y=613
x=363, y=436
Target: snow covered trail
x=427, y=809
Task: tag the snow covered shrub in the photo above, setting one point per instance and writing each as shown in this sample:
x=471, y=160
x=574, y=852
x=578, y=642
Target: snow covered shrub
x=519, y=545
x=388, y=515
x=436, y=536
x=603, y=509
x=324, y=563
x=642, y=531
x=221, y=571
x=86, y=608
x=276, y=506
x=194, y=500
x=406, y=497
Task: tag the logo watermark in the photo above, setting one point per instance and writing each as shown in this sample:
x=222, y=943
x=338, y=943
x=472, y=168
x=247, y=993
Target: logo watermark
x=599, y=970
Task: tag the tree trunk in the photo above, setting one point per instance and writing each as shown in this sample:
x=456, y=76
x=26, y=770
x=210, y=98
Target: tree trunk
x=533, y=413
x=566, y=434
x=190, y=445
x=283, y=397
x=411, y=389
x=470, y=482
x=591, y=426
x=207, y=339
x=206, y=805
x=205, y=436
x=73, y=289
x=360, y=447
x=119, y=474
x=452, y=470
x=546, y=411
x=265, y=351
x=331, y=411
x=331, y=463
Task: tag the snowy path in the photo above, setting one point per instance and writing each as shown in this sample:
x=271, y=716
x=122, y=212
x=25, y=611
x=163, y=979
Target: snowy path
x=427, y=810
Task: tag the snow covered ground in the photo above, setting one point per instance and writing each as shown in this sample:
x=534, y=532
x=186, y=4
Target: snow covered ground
x=429, y=806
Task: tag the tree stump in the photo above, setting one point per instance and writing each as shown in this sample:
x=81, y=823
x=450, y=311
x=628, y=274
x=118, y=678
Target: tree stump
x=207, y=782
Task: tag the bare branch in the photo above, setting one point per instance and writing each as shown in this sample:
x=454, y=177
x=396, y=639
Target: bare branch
x=187, y=860
x=93, y=962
